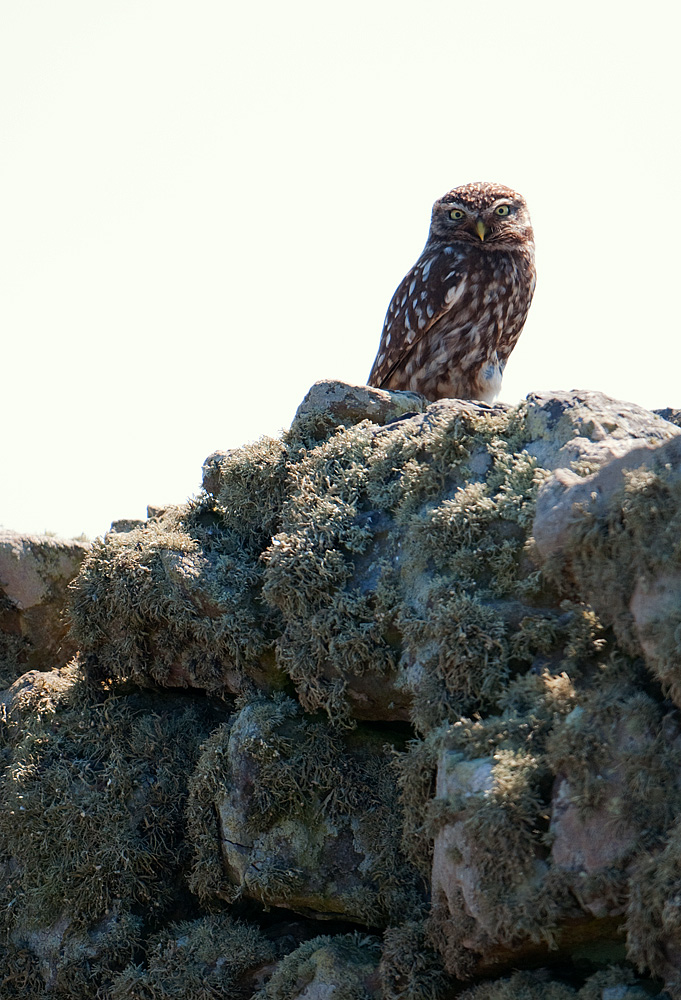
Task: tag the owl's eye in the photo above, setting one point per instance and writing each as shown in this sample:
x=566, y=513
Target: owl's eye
x=502, y=210
x=456, y=214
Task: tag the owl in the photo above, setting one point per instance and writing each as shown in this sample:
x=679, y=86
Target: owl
x=457, y=315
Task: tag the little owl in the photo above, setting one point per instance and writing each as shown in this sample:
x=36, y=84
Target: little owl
x=457, y=315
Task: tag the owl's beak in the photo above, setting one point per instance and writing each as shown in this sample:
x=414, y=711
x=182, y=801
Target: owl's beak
x=481, y=229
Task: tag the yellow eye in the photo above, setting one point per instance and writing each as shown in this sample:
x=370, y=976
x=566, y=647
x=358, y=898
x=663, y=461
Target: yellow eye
x=456, y=214
x=502, y=210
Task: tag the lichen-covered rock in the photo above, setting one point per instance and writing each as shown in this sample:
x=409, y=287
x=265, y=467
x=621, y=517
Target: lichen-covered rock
x=404, y=566
x=35, y=693
x=35, y=571
x=379, y=555
x=617, y=758
x=175, y=602
x=285, y=810
x=546, y=819
x=213, y=956
x=395, y=547
x=583, y=430
x=331, y=404
x=613, y=539
x=670, y=413
x=344, y=967
x=493, y=890
x=91, y=832
x=613, y=983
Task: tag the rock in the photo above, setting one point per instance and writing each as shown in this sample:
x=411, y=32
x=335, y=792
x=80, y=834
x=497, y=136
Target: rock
x=38, y=693
x=91, y=830
x=655, y=606
x=566, y=500
x=341, y=967
x=599, y=825
x=337, y=403
x=125, y=524
x=35, y=571
x=612, y=536
x=156, y=510
x=584, y=429
x=600, y=767
x=590, y=844
x=486, y=904
x=305, y=818
x=174, y=602
x=214, y=955
x=670, y=413
x=211, y=471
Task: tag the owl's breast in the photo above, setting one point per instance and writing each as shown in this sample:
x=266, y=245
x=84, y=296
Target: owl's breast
x=471, y=344
x=503, y=285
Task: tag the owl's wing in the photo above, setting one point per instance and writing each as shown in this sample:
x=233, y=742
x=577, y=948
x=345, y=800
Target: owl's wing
x=427, y=293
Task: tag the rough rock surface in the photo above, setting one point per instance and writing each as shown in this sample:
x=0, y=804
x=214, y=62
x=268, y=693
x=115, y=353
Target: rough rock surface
x=278, y=792
x=328, y=968
x=614, y=536
x=391, y=709
x=35, y=571
x=91, y=833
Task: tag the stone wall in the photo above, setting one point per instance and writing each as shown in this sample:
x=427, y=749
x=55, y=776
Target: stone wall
x=389, y=709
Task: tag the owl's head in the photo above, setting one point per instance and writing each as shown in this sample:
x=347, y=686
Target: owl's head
x=489, y=216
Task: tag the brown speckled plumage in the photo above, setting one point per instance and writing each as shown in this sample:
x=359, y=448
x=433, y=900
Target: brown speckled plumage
x=457, y=315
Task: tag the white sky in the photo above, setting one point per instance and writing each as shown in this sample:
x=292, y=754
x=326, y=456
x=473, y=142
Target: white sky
x=206, y=206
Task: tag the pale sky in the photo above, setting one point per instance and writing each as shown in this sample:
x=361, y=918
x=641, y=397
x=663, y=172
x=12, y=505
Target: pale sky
x=206, y=207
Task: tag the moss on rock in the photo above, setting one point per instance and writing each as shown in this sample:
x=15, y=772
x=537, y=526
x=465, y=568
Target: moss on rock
x=213, y=956
x=287, y=810
x=395, y=542
x=410, y=968
x=91, y=832
x=344, y=967
x=174, y=602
